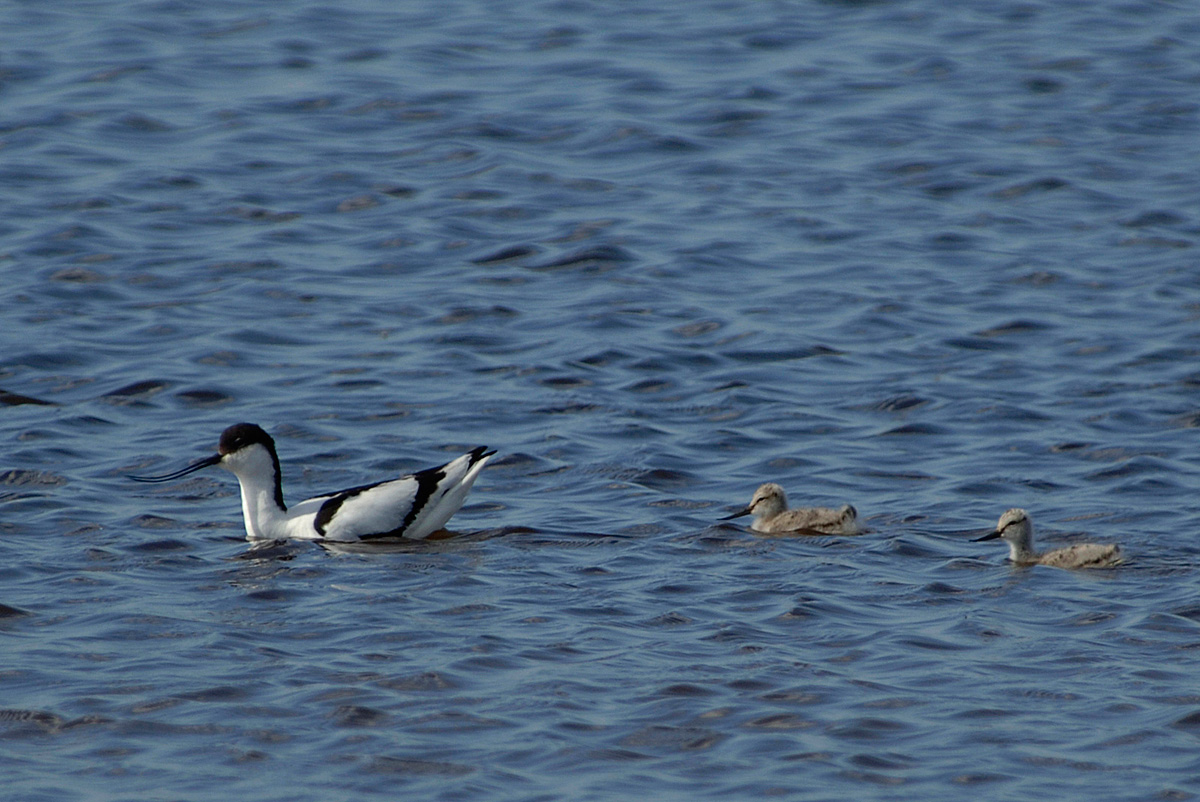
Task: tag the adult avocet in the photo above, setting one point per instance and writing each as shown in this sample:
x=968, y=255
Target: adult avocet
x=413, y=506
x=772, y=517
x=1016, y=530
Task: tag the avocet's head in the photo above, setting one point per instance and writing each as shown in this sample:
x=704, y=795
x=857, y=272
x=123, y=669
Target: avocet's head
x=1014, y=527
x=768, y=501
x=244, y=448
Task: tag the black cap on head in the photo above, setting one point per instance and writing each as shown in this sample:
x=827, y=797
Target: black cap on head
x=240, y=435
x=234, y=439
x=244, y=435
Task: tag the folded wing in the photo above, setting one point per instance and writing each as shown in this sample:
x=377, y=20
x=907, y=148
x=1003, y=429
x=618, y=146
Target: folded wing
x=413, y=506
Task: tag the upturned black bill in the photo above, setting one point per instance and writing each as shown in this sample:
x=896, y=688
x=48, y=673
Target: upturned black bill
x=195, y=466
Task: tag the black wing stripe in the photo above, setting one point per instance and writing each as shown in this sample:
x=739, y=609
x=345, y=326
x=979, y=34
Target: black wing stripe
x=427, y=484
x=332, y=505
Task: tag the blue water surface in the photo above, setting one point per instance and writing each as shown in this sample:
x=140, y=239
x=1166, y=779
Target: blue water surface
x=932, y=259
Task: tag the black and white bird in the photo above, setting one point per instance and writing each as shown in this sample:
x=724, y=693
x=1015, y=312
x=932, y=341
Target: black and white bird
x=413, y=506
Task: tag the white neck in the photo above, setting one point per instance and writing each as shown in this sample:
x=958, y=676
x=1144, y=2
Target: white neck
x=264, y=519
x=1020, y=553
x=256, y=473
x=768, y=508
x=1020, y=545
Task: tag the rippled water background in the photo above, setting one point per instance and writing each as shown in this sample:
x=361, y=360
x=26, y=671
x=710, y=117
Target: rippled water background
x=933, y=259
